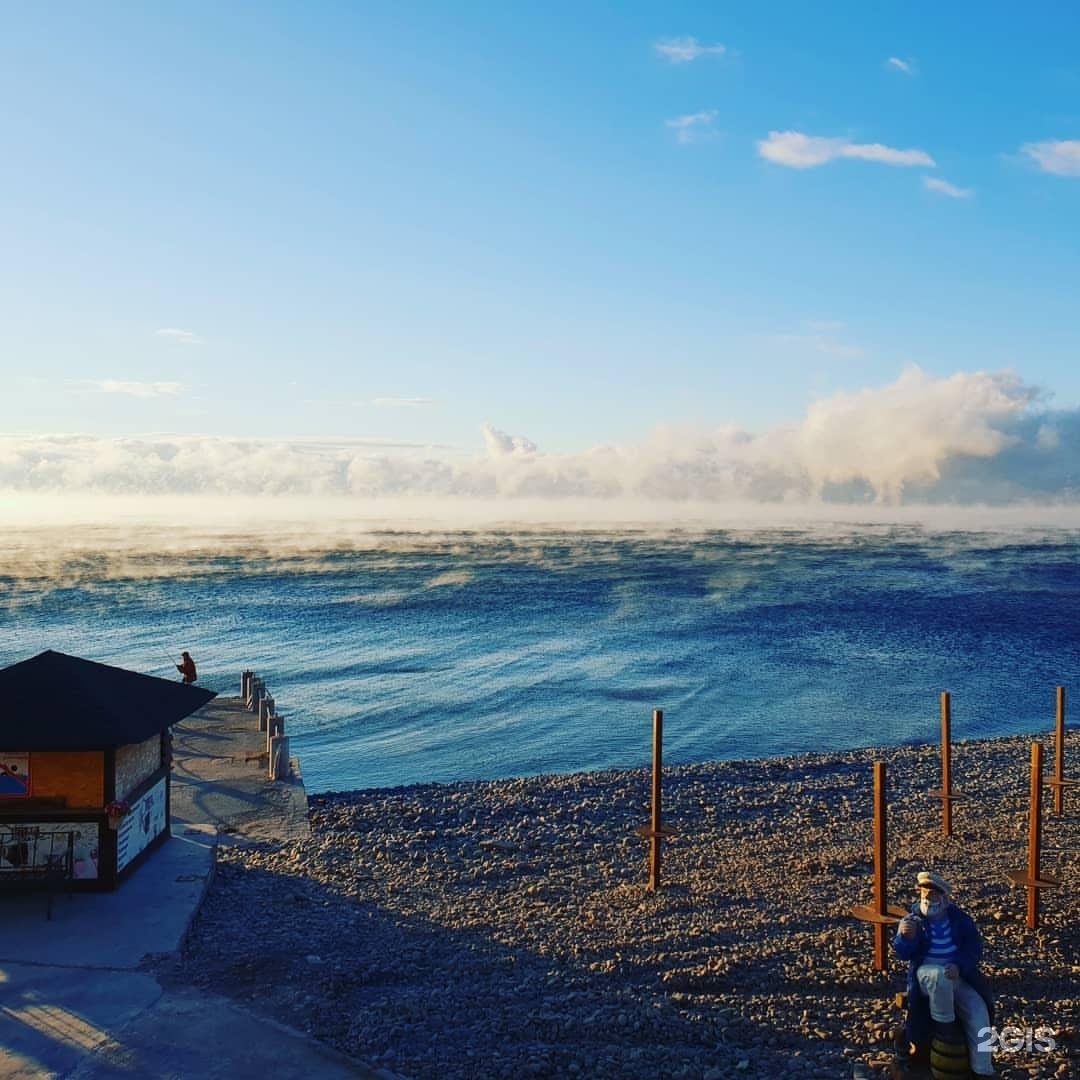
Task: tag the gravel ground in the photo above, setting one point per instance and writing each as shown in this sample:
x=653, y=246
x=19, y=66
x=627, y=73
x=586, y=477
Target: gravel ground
x=504, y=930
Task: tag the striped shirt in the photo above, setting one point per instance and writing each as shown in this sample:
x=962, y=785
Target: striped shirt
x=942, y=947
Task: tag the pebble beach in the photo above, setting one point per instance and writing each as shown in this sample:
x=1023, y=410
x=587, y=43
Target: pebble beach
x=504, y=929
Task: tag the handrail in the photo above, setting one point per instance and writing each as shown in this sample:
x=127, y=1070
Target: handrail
x=25, y=857
x=27, y=850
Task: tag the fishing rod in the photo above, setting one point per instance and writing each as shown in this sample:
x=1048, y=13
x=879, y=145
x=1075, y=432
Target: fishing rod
x=172, y=661
x=165, y=652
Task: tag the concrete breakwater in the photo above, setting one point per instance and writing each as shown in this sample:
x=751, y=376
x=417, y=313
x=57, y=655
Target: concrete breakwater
x=504, y=929
x=224, y=760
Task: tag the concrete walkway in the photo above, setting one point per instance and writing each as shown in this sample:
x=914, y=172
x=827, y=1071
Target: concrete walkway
x=76, y=999
x=219, y=776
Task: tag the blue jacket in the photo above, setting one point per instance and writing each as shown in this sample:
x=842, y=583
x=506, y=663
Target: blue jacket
x=968, y=942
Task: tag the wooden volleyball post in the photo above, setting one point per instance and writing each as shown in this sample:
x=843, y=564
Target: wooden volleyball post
x=655, y=831
x=1058, y=781
x=879, y=913
x=1031, y=878
x=946, y=794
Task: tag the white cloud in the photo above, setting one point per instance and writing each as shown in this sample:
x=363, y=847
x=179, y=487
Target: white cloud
x=886, y=155
x=799, y=151
x=179, y=337
x=500, y=445
x=823, y=338
x=906, y=66
x=968, y=438
x=402, y=402
x=838, y=348
x=137, y=389
x=694, y=126
x=686, y=49
x=943, y=187
x=1061, y=157
x=796, y=150
x=905, y=433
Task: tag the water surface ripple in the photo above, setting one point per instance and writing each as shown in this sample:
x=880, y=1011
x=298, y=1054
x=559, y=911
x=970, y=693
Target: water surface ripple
x=495, y=654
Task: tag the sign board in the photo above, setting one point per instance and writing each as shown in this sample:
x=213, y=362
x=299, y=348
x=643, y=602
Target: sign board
x=146, y=821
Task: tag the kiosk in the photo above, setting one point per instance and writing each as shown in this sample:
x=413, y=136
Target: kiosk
x=84, y=769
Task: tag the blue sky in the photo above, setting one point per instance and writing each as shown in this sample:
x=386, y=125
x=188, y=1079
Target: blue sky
x=576, y=222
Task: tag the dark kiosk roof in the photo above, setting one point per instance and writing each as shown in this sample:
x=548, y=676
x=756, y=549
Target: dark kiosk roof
x=58, y=702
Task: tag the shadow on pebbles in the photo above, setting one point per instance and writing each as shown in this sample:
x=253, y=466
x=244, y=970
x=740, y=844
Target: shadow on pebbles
x=503, y=929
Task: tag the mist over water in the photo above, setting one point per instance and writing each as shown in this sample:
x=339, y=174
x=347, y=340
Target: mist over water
x=431, y=613
x=402, y=653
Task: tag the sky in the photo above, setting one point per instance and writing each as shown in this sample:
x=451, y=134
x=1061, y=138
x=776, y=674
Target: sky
x=678, y=250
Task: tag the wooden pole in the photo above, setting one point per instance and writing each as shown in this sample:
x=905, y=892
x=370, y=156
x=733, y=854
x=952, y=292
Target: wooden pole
x=946, y=794
x=1035, y=834
x=1059, y=753
x=946, y=767
x=1058, y=781
x=655, y=831
x=1030, y=878
x=879, y=912
x=656, y=825
x=880, y=847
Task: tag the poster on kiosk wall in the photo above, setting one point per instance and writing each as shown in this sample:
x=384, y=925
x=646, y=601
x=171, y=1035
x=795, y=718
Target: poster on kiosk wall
x=14, y=775
x=146, y=820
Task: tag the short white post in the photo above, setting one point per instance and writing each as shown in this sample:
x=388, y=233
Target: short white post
x=279, y=757
x=275, y=725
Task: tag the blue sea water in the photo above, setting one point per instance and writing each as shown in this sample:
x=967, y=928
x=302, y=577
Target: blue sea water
x=486, y=654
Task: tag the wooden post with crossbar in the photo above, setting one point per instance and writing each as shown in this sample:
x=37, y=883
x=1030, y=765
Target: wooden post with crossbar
x=946, y=794
x=1031, y=878
x=879, y=913
x=655, y=832
x=1058, y=781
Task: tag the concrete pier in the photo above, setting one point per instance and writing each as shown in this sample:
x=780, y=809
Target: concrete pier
x=219, y=778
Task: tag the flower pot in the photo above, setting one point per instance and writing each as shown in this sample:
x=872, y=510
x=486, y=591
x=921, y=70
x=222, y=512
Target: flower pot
x=114, y=821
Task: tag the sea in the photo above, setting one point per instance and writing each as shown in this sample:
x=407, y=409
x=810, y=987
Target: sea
x=399, y=657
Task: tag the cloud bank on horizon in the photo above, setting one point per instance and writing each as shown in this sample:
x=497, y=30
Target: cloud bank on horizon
x=968, y=439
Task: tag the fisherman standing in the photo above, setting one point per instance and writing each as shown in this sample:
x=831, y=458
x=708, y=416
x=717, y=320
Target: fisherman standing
x=187, y=668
